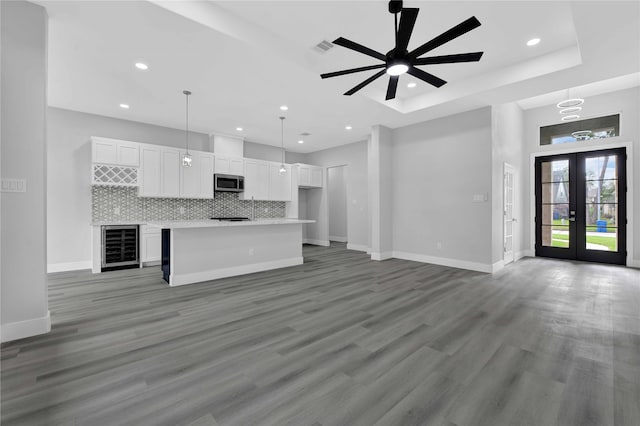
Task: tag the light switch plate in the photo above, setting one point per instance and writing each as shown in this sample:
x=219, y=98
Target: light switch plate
x=14, y=185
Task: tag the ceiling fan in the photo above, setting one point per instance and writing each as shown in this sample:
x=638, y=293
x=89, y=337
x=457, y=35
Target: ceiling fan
x=399, y=61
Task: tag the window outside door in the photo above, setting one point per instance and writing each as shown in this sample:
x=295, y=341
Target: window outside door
x=581, y=206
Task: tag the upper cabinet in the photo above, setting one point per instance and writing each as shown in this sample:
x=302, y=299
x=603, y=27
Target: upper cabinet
x=263, y=181
x=115, y=152
x=309, y=176
x=229, y=165
x=197, y=181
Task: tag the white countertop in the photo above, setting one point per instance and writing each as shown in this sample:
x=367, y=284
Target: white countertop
x=177, y=224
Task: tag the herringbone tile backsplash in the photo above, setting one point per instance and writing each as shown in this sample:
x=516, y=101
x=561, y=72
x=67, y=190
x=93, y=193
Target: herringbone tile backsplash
x=106, y=200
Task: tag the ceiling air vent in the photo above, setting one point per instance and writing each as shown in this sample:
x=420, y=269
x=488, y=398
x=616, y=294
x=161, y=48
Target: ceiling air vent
x=305, y=134
x=323, y=46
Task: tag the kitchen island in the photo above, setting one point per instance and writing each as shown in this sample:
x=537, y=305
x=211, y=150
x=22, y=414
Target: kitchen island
x=196, y=251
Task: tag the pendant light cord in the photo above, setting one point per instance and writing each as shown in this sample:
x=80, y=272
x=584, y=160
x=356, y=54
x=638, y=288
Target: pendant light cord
x=187, y=93
x=282, y=137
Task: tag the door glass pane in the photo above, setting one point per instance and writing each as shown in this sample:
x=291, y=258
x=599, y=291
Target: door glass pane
x=601, y=208
x=555, y=236
x=597, y=239
x=555, y=203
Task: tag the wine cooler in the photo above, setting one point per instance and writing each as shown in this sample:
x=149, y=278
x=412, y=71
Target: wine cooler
x=120, y=247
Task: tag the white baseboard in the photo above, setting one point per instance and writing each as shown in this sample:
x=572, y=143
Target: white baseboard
x=381, y=256
x=324, y=243
x=21, y=329
x=633, y=263
x=338, y=239
x=151, y=263
x=197, y=277
x=70, y=266
x=454, y=263
x=528, y=253
x=498, y=266
x=357, y=247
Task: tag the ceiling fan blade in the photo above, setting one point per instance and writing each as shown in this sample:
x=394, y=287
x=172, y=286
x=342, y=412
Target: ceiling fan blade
x=449, y=59
x=425, y=76
x=351, y=71
x=407, y=21
x=391, y=88
x=364, y=83
x=341, y=41
x=447, y=36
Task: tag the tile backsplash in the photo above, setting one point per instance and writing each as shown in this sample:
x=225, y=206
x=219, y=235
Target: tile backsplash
x=115, y=203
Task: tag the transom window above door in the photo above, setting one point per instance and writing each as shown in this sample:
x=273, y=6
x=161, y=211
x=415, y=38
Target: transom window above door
x=581, y=130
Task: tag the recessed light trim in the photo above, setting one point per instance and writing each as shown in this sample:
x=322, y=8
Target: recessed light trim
x=570, y=117
x=239, y=129
x=533, y=42
x=284, y=108
x=124, y=106
x=570, y=110
x=568, y=103
x=411, y=85
x=348, y=127
x=300, y=141
x=142, y=66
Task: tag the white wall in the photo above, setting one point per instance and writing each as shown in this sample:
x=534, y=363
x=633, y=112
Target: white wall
x=438, y=166
x=262, y=152
x=354, y=156
x=507, y=147
x=69, y=176
x=24, y=228
x=627, y=103
x=337, y=199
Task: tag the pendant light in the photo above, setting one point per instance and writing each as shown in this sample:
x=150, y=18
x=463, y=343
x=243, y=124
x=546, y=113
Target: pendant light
x=186, y=158
x=283, y=169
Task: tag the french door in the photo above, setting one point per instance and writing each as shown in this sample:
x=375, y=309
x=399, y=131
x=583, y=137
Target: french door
x=581, y=206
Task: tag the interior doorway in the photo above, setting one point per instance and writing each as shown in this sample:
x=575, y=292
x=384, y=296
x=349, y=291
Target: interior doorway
x=509, y=220
x=337, y=203
x=581, y=206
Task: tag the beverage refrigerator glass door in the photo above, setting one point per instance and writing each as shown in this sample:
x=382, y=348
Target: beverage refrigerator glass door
x=228, y=183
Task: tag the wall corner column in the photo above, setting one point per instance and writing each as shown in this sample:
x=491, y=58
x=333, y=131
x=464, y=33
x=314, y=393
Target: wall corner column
x=380, y=196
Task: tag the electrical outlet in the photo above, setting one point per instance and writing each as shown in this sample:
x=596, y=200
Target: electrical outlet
x=116, y=211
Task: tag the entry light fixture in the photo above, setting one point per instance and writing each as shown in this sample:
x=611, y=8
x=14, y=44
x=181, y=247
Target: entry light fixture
x=186, y=158
x=570, y=117
x=570, y=110
x=283, y=169
x=142, y=66
x=568, y=103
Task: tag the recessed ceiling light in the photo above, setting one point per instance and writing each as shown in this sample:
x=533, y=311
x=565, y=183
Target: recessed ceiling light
x=411, y=85
x=570, y=117
x=239, y=129
x=142, y=66
x=284, y=107
x=533, y=41
x=300, y=141
x=125, y=106
x=348, y=127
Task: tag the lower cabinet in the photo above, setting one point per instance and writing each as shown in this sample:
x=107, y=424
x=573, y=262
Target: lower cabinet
x=150, y=245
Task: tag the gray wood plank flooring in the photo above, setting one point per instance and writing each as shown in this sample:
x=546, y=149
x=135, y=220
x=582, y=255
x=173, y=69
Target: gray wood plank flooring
x=340, y=340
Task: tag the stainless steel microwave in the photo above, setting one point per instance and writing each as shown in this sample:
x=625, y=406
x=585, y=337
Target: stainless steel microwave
x=228, y=183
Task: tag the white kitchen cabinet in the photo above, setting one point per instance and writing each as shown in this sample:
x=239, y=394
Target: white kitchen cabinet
x=309, y=176
x=279, y=184
x=150, y=244
x=170, y=172
x=116, y=152
x=197, y=181
x=229, y=165
x=150, y=171
x=256, y=180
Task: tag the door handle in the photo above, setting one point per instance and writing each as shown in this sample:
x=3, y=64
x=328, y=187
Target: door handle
x=572, y=219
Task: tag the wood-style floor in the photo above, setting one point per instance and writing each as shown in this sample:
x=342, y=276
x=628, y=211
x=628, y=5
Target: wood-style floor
x=340, y=340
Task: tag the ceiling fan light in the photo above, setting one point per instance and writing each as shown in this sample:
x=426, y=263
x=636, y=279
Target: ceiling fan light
x=397, y=69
